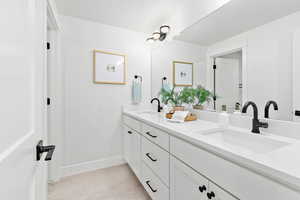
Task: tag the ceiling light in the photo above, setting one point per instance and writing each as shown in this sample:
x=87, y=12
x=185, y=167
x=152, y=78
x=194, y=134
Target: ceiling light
x=160, y=35
x=164, y=29
x=156, y=35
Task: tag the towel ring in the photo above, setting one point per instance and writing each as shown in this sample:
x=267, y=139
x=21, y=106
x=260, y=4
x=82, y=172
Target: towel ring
x=162, y=81
x=138, y=77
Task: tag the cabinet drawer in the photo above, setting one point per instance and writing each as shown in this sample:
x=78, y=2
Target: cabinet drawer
x=185, y=183
x=157, y=159
x=153, y=185
x=132, y=123
x=157, y=136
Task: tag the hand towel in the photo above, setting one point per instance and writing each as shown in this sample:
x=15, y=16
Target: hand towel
x=136, y=91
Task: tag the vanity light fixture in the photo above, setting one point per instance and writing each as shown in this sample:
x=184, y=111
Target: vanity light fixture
x=156, y=35
x=160, y=35
x=164, y=29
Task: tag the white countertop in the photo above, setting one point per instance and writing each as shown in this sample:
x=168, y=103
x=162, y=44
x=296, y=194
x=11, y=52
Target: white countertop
x=281, y=165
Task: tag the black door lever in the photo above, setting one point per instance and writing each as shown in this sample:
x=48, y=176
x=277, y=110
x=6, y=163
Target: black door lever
x=40, y=149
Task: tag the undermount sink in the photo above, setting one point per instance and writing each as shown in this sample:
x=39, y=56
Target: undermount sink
x=148, y=113
x=246, y=143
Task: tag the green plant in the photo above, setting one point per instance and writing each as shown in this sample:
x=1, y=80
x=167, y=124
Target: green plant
x=187, y=95
x=202, y=95
x=171, y=96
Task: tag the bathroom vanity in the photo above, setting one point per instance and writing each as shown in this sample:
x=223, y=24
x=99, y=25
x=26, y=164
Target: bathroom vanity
x=199, y=160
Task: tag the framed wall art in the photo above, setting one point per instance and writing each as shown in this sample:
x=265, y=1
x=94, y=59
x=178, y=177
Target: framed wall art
x=183, y=73
x=109, y=68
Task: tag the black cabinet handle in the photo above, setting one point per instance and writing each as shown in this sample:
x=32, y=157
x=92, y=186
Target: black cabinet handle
x=297, y=113
x=210, y=195
x=130, y=132
x=40, y=149
x=152, y=159
x=148, y=133
x=202, y=188
x=148, y=183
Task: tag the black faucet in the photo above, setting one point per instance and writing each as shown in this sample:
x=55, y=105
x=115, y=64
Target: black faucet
x=159, y=108
x=267, y=107
x=256, y=124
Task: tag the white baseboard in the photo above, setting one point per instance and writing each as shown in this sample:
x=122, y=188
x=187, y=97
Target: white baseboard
x=92, y=165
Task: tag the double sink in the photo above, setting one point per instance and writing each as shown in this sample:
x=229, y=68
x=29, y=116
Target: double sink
x=234, y=140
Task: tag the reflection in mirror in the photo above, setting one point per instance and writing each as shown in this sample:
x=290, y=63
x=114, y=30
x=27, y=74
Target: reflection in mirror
x=164, y=58
x=257, y=56
x=228, y=82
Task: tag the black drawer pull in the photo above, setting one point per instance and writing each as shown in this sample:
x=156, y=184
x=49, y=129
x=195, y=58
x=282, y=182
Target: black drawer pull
x=130, y=132
x=152, y=159
x=148, y=133
x=297, y=113
x=211, y=195
x=202, y=188
x=148, y=183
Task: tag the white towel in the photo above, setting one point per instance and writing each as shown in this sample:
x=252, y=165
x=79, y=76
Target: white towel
x=136, y=91
x=179, y=116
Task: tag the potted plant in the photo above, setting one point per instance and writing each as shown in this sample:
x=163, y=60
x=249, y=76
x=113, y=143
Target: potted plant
x=173, y=97
x=187, y=95
x=201, y=96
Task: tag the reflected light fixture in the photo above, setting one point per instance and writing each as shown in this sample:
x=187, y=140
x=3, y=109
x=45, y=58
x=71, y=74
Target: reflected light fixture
x=159, y=35
x=150, y=40
x=164, y=29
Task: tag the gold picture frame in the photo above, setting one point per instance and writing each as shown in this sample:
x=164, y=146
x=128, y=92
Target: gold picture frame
x=108, y=57
x=189, y=73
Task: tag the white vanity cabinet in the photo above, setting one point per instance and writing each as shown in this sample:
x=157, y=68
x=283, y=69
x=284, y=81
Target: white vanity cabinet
x=156, y=136
x=186, y=183
x=171, y=168
x=156, y=159
x=153, y=184
x=132, y=149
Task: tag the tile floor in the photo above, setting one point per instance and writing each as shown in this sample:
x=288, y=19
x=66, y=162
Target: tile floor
x=115, y=183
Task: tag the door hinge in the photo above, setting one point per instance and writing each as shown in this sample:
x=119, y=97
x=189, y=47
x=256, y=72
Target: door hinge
x=48, y=45
x=48, y=101
x=214, y=66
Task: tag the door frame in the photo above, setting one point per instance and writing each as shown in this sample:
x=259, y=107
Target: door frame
x=295, y=62
x=53, y=131
x=212, y=54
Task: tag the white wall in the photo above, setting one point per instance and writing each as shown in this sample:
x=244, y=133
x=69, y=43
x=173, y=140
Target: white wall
x=93, y=111
x=269, y=62
x=162, y=62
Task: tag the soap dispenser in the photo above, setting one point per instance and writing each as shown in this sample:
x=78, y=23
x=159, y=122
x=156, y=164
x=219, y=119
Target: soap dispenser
x=237, y=109
x=223, y=118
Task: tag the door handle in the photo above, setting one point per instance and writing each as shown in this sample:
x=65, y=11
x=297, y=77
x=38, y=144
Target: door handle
x=40, y=149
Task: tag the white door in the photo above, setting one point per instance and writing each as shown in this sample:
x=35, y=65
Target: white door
x=227, y=83
x=185, y=183
x=127, y=132
x=296, y=76
x=22, y=99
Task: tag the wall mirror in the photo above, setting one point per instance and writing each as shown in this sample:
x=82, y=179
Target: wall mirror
x=239, y=54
